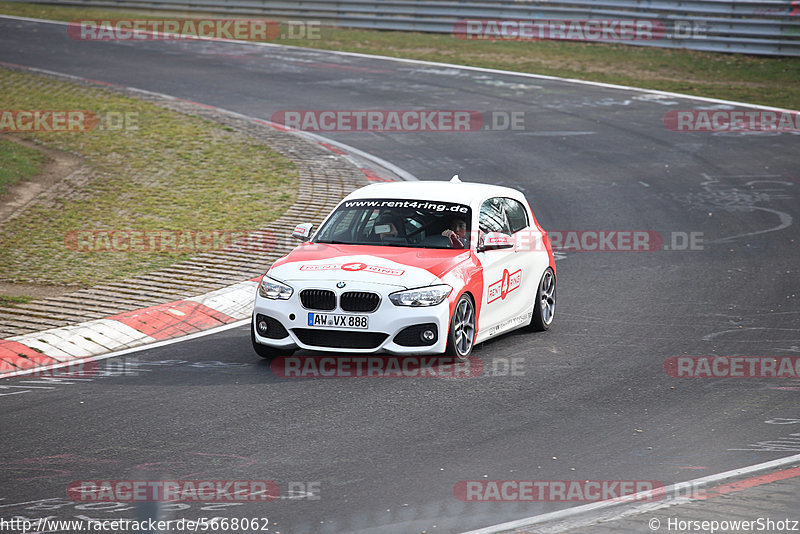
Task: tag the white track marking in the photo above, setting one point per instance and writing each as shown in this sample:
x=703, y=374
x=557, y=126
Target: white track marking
x=154, y=345
x=596, y=509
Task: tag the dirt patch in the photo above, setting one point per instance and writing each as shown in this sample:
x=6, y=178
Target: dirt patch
x=36, y=291
x=58, y=167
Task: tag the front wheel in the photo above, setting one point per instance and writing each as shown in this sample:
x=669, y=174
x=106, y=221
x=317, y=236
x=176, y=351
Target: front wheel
x=462, y=329
x=544, y=309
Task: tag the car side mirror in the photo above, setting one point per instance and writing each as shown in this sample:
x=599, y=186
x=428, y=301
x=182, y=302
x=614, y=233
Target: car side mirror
x=303, y=231
x=495, y=241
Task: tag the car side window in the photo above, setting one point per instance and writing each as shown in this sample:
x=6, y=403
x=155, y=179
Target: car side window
x=517, y=215
x=493, y=216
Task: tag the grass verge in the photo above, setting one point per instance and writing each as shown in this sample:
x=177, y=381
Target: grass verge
x=755, y=79
x=17, y=163
x=146, y=169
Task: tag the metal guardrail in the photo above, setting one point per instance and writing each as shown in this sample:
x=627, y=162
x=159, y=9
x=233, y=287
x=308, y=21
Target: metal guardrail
x=769, y=27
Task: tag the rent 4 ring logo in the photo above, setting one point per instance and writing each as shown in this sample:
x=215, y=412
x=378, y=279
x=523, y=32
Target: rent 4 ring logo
x=508, y=283
x=351, y=267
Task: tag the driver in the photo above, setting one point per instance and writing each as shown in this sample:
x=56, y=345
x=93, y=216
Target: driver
x=457, y=233
x=385, y=226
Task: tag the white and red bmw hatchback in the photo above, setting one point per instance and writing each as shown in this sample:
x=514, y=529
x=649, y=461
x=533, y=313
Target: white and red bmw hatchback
x=409, y=268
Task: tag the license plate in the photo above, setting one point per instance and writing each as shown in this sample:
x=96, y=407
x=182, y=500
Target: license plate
x=337, y=320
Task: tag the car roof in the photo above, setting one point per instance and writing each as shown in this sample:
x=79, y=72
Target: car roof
x=469, y=193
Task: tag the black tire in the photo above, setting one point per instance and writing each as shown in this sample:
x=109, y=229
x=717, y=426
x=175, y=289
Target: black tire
x=461, y=335
x=265, y=352
x=544, y=307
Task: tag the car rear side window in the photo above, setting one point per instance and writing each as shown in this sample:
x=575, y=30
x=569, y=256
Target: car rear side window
x=517, y=215
x=493, y=217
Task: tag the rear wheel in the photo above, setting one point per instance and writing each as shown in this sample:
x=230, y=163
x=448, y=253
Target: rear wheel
x=265, y=351
x=544, y=309
x=461, y=338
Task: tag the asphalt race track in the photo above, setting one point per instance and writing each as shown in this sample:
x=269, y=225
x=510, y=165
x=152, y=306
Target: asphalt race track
x=590, y=399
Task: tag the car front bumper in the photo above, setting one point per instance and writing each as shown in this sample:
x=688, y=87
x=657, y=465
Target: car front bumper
x=391, y=329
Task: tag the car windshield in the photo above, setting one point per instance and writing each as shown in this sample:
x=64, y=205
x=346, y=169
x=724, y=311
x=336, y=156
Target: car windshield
x=398, y=223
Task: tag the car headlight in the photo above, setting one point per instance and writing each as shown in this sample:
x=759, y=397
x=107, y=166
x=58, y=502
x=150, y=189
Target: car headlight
x=269, y=288
x=423, y=296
